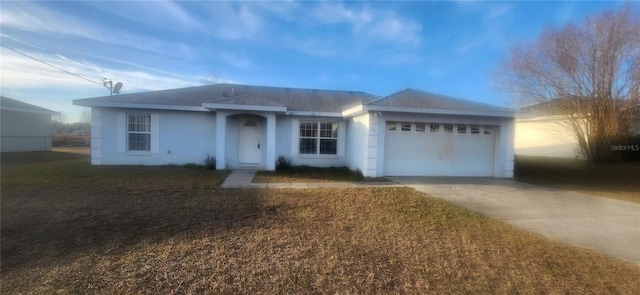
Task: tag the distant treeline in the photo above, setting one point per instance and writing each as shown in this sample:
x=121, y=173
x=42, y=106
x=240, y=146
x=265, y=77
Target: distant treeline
x=77, y=128
x=70, y=134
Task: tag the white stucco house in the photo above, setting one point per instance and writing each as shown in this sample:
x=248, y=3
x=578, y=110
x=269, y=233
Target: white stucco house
x=24, y=127
x=541, y=132
x=407, y=133
x=545, y=136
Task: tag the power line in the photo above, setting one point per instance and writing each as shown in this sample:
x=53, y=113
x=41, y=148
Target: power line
x=46, y=63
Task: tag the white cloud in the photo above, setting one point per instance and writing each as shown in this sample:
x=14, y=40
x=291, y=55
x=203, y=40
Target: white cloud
x=332, y=12
x=370, y=25
x=393, y=29
x=166, y=14
x=31, y=17
x=21, y=72
x=225, y=21
x=20, y=41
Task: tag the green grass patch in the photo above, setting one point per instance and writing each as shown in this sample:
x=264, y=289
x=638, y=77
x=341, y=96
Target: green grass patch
x=306, y=174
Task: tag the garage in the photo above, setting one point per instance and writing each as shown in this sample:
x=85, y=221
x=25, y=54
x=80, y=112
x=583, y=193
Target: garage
x=437, y=149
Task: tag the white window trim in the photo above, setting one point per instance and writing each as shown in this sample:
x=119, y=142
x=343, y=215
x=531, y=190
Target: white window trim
x=318, y=138
x=122, y=134
x=295, y=139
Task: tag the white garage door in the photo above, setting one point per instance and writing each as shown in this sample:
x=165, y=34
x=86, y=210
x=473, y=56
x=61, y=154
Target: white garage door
x=434, y=149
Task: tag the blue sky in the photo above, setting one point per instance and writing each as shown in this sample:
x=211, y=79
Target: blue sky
x=446, y=47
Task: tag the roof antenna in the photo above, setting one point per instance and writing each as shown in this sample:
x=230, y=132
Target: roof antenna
x=106, y=82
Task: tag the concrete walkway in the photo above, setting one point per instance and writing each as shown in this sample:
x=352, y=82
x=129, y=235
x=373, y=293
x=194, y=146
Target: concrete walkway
x=241, y=178
x=605, y=225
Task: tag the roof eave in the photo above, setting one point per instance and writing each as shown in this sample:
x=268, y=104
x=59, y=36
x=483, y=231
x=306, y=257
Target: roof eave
x=375, y=108
x=237, y=107
x=315, y=114
x=139, y=106
x=44, y=112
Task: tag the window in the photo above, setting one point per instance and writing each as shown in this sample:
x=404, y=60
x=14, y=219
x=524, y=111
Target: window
x=434, y=128
x=318, y=138
x=488, y=130
x=139, y=132
x=421, y=127
x=392, y=126
x=475, y=130
x=405, y=126
x=462, y=129
x=448, y=128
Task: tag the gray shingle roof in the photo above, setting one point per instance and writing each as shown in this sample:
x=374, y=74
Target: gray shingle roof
x=295, y=99
x=16, y=105
x=411, y=98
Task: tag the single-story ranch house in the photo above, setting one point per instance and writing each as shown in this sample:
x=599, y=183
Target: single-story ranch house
x=404, y=134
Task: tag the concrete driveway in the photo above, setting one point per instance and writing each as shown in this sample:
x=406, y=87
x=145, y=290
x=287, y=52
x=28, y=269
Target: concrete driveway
x=605, y=225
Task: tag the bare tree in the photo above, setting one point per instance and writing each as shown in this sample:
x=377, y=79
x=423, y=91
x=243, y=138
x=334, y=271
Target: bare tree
x=588, y=73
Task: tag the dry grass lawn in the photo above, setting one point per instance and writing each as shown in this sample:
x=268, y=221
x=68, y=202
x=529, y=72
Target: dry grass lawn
x=68, y=227
x=619, y=180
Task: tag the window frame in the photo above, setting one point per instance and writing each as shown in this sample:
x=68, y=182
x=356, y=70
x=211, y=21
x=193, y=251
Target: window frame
x=319, y=136
x=147, y=141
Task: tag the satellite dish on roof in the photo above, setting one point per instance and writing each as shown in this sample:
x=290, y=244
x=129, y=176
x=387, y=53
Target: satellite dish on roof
x=117, y=87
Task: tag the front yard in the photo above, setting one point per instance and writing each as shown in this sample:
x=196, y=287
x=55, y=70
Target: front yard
x=68, y=227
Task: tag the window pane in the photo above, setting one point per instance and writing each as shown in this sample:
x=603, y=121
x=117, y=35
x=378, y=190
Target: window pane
x=308, y=129
x=328, y=146
x=448, y=128
x=420, y=127
x=475, y=130
x=405, y=126
x=139, y=142
x=392, y=126
x=462, y=129
x=434, y=128
x=308, y=146
x=488, y=130
x=139, y=123
x=329, y=130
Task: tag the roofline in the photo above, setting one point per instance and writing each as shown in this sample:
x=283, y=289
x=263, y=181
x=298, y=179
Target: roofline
x=44, y=111
x=139, y=106
x=224, y=106
x=315, y=114
x=367, y=108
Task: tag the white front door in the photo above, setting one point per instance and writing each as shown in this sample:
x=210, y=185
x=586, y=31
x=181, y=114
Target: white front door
x=249, y=145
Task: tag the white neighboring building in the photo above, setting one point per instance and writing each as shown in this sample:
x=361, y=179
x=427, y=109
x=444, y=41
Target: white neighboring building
x=407, y=133
x=24, y=127
x=541, y=133
x=549, y=136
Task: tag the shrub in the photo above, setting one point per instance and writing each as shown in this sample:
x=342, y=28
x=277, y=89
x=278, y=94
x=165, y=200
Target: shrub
x=210, y=162
x=283, y=163
x=192, y=166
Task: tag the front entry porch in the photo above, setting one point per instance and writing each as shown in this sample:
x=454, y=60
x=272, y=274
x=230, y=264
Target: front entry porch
x=245, y=140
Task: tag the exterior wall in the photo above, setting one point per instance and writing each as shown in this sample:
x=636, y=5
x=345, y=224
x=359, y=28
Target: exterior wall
x=25, y=132
x=504, y=151
x=287, y=143
x=546, y=138
x=363, y=144
x=182, y=137
x=356, y=129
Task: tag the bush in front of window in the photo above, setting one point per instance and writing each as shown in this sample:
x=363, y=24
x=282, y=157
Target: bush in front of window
x=210, y=162
x=283, y=163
